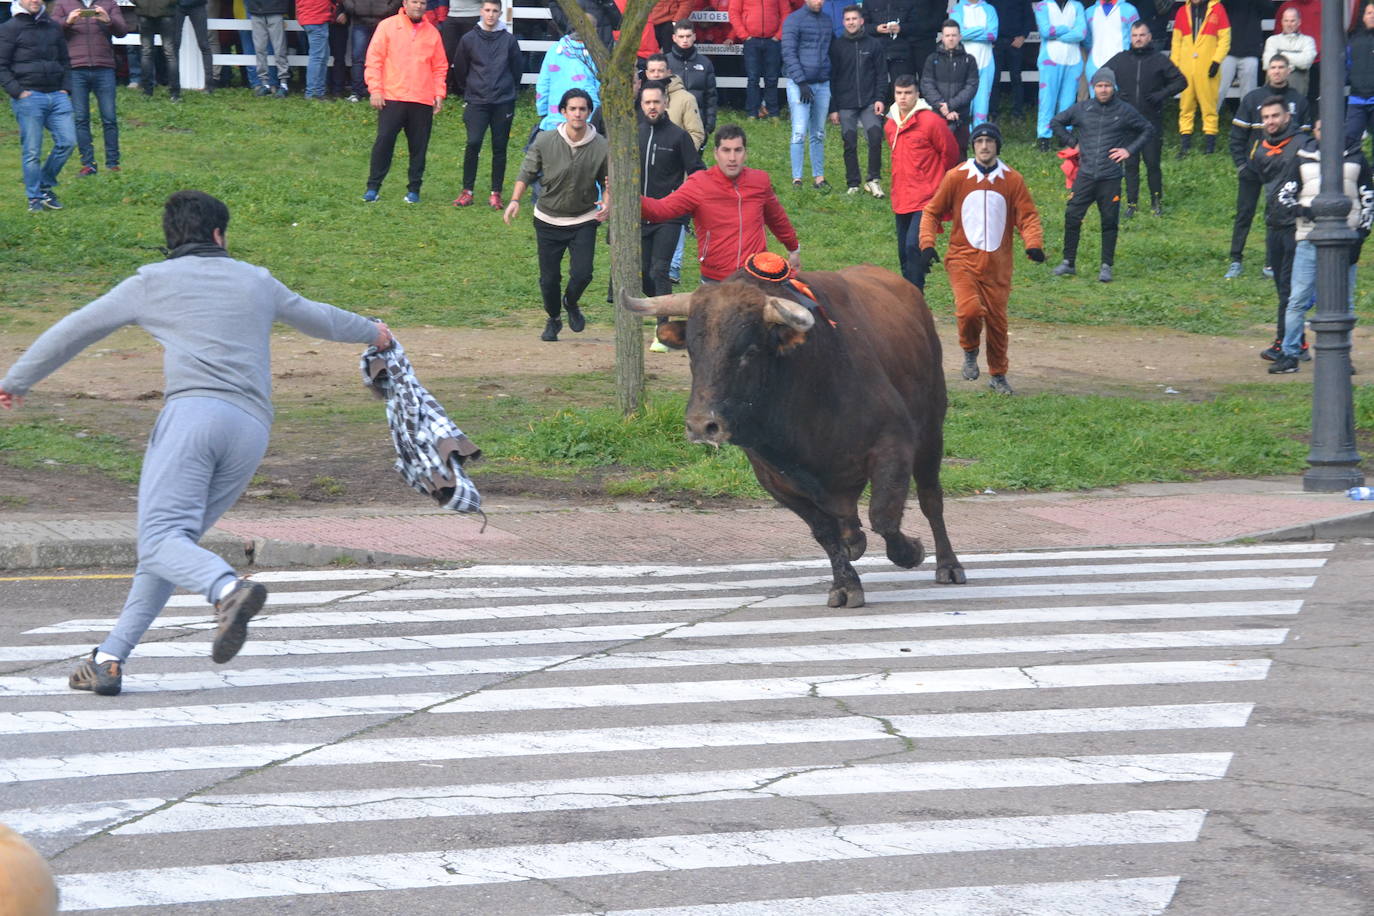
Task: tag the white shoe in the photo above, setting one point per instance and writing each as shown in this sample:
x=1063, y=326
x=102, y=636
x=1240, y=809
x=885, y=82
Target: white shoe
x=874, y=188
x=657, y=346
x=851, y=191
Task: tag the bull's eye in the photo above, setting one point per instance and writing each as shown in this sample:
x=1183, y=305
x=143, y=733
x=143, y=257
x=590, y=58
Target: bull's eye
x=749, y=353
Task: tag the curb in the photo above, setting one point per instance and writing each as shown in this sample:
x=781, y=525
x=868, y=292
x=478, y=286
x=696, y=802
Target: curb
x=262, y=553
x=1358, y=525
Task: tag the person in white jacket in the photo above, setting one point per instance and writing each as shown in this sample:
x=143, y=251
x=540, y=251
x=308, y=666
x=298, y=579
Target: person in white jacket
x=1300, y=49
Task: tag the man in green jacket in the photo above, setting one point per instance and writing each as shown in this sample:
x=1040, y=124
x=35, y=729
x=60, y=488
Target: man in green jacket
x=570, y=164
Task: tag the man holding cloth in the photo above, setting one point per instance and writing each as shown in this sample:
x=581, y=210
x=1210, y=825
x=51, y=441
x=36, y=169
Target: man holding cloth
x=1106, y=132
x=406, y=75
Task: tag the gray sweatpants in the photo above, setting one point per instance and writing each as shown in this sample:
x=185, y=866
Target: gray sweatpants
x=270, y=29
x=201, y=455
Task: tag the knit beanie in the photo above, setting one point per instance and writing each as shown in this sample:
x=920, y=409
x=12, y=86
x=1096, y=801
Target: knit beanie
x=1104, y=75
x=987, y=129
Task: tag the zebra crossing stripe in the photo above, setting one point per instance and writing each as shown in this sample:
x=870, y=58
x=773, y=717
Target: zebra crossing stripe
x=685, y=630
x=1123, y=897
x=366, y=751
x=75, y=819
x=572, y=571
x=505, y=864
x=230, y=812
x=615, y=695
x=765, y=655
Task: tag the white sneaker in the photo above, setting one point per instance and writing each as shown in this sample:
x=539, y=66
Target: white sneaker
x=851, y=191
x=874, y=188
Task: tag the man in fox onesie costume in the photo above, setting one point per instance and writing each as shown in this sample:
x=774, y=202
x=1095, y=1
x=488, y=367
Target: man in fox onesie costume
x=985, y=199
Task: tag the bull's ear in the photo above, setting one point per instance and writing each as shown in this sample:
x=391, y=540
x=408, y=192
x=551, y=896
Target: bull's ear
x=673, y=334
x=787, y=338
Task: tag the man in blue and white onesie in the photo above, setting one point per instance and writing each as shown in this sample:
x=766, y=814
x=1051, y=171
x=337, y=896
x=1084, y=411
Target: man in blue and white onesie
x=213, y=316
x=978, y=29
x=1109, y=31
x=1063, y=28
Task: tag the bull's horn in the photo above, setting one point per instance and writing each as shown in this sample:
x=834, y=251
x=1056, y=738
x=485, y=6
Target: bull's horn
x=781, y=311
x=664, y=306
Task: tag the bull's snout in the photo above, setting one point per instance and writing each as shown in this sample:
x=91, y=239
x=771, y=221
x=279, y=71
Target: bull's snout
x=707, y=428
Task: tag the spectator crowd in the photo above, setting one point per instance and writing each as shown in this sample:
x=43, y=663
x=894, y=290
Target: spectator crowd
x=921, y=78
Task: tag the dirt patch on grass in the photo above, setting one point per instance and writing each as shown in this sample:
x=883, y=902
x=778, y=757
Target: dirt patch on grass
x=115, y=388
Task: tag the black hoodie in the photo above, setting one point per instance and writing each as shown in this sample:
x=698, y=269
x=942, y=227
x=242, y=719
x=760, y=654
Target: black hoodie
x=1275, y=160
x=667, y=155
x=487, y=66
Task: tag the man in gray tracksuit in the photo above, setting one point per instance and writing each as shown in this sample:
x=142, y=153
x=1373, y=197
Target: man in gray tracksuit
x=213, y=317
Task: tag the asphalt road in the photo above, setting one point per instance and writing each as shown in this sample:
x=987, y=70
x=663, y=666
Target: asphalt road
x=1100, y=733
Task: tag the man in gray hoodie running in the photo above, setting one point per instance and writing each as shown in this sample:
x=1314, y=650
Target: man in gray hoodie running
x=213, y=317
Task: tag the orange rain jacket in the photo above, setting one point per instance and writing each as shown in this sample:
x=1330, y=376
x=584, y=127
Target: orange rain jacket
x=406, y=61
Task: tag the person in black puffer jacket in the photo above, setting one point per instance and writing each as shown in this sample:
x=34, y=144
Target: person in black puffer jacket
x=1359, y=56
x=36, y=72
x=1146, y=80
x=1275, y=160
x=1107, y=132
x=696, y=71
x=949, y=82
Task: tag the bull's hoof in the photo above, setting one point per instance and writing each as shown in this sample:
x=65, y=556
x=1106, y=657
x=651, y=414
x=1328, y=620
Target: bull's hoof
x=904, y=551
x=950, y=574
x=856, y=545
x=847, y=596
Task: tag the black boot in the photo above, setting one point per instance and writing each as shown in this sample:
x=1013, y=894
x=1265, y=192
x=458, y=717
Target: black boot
x=1209, y=144
x=1156, y=205
x=1044, y=144
x=551, y=329
x=1185, y=143
x=1130, y=210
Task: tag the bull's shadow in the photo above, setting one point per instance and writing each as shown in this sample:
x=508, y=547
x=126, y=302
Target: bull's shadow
x=829, y=384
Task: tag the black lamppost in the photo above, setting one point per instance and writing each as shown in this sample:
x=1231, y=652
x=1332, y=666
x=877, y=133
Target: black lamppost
x=1334, y=464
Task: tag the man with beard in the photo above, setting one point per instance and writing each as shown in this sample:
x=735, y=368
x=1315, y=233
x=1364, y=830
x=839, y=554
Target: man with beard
x=1146, y=79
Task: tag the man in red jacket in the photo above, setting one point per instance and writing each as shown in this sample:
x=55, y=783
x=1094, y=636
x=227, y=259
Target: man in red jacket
x=406, y=75
x=730, y=205
x=758, y=24
x=923, y=149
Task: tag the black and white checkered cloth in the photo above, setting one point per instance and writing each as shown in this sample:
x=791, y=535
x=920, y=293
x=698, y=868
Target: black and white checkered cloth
x=430, y=449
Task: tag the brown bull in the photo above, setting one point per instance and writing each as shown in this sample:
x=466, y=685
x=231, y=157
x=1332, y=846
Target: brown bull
x=821, y=411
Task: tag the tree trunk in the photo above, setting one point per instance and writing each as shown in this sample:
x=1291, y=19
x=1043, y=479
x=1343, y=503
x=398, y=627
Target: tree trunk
x=616, y=71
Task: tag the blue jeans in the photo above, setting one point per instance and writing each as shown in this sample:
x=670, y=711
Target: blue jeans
x=361, y=37
x=200, y=457
x=762, y=58
x=808, y=127
x=909, y=248
x=35, y=112
x=1302, y=290
x=318, y=37
x=101, y=81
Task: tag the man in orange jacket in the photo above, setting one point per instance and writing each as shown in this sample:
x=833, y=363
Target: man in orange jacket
x=406, y=71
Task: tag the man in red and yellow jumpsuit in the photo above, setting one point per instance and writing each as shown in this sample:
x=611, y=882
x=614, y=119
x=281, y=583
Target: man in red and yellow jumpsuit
x=1202, y=39
x=985, y=199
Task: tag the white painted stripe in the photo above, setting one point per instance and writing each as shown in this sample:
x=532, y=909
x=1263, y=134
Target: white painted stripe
x=357, y=617
x=503, y=864
x=766, y=655
x=647, y=738
x=1124, y=897
x=849, y=685
x=682, y=630
x=274, y=597
x=603, y=695
x=394, y=803
x=76, y=819
x=930, y=591
x=627, y=571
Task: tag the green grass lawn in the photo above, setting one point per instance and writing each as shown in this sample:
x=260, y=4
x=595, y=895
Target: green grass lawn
x=293, y=171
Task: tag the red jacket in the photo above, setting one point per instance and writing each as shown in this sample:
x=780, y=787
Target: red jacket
x=729, y=216
x=315, y=12
x=923, y=149
x=758, y=18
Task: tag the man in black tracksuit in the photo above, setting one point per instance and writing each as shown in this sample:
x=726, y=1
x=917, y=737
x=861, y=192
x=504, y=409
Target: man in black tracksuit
x=1146, y=80
x=949, y=82
x=1107, y=132
x=696, y=71
x=1274, y=159
x=858, y=86
x=667, y=156
x=487, y=66
x=895, y=24
x=1245, y=133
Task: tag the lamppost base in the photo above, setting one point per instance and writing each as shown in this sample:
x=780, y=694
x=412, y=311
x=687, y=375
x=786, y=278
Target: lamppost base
x=1331, y=479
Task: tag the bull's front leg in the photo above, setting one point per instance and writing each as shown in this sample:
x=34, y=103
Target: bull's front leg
x=948, y=569
x=835, y=527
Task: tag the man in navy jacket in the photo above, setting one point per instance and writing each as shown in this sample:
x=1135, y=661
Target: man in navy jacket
x=36, y=72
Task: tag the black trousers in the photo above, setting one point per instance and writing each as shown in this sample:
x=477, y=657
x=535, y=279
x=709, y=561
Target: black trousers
x=852, y=120
x=1150, y=154
x=450, y=31
x=340, y=78
x=1248, y=187
x=1106, y=193
x=580, y=243
x=657, y=242
x=416, y=119
x=1279, y=245
x=477, y=117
